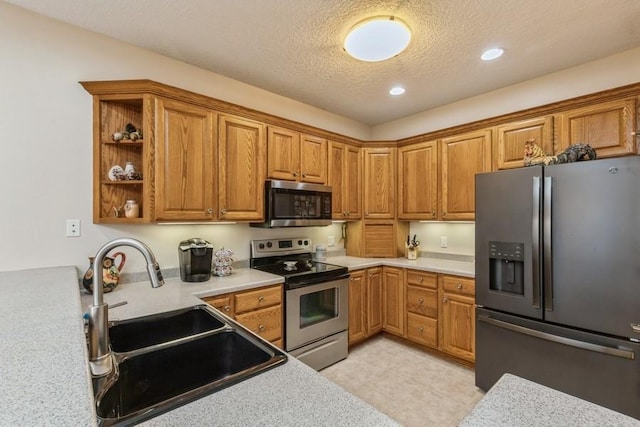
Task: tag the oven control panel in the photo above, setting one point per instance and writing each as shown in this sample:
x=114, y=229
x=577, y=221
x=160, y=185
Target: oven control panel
x=273, y=247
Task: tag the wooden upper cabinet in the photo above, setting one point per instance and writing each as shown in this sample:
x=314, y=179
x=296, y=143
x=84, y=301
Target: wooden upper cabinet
x=313, y=159
x=345, y=178
x=379, y=183
x=462, y=157
x=508, y=149
x=241, y=169
x=607, y=127
x=295, y=157
x=184, y=181
x=418, y=181
x=283, y=153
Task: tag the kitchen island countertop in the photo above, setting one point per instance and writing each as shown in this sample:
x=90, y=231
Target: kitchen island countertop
x=45, y=376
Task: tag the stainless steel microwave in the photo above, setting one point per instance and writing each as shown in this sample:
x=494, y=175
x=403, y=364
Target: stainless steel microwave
x=295, y=204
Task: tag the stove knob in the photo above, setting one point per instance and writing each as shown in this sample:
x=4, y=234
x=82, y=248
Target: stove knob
x=269, y=244
x=261, y=245
x=306, y=243
x=299, y=242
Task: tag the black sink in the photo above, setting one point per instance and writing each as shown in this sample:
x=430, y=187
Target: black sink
x=164, y=361
x=133, y=334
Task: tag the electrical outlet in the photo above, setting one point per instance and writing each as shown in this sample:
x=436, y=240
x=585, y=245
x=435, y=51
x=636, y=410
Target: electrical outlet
x=331, y=241
x=443, y=241
x=73, y=228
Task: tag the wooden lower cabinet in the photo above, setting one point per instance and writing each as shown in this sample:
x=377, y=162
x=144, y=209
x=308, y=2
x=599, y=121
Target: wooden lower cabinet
x=259, y=310
x=393, y=300
x=457, y=316
x=422, y=307
x=365, y=304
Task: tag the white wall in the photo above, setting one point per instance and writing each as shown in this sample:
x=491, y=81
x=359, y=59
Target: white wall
x=45, y=119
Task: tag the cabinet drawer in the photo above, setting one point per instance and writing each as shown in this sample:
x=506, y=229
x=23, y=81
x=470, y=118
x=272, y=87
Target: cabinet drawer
x=266, y=322
x=221, y=303
x=422, y=330
x=460, y=285
x=422, y=301
x=421, y=278
x=259, y=298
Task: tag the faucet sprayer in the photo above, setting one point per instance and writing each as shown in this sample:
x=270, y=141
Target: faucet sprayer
x=99, y=353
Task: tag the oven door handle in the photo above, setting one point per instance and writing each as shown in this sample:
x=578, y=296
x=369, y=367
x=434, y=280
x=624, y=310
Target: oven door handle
x=312, y=280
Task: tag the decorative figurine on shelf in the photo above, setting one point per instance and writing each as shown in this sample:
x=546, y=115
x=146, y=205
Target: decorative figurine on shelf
x=130, y=133
x=110, y=272
x=534, y=155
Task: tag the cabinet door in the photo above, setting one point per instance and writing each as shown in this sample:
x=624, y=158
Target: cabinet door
x=608, y=127
x=241, y=169
x=283, y=154
x=374, y=309
x=462, y=158
x=337, y=165
x=184, y=179
x=357, y=307
x=508, y=150
x=458, y=326
x=313, y=159
x=266, y=322
x=379, y=183
x=418, y=181
x=352, y=190
x=393, y=300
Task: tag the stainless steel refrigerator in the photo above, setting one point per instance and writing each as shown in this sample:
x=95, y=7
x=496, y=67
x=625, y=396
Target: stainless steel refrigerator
x=558, y=279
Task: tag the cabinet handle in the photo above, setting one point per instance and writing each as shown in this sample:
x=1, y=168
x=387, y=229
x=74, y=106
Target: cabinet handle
x=209, y=211
x=421, y=300
x=366, y=214
x=348, y=213
x=445, y=300
x=444, y=214
x=421, y=279
x=344, y=213
x=459, y=286
x=420, y=329
x=433, y=214
x=260, y=298
x=295, y=174
x=226, y=308
x=223, y=211
x=304, y=175
x=260, y=328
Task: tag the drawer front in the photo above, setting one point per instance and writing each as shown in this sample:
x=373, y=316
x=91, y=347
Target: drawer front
x=221, y=303
x=422, y=330
x=422, y=301
x=421, y=278
x=266, y=322
x=460, y=285
x=259, y=298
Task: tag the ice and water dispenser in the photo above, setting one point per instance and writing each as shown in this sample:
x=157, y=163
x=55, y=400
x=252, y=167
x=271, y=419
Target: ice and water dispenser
x=506, y=271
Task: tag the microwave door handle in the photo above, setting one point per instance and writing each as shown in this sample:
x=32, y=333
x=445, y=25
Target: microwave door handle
x=548, y=255
x=535, y=243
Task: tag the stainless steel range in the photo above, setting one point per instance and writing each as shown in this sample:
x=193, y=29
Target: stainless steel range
x=316, y=299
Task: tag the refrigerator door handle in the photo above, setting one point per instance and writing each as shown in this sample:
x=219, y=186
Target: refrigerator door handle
x=618, y=352
x=535, y=242
x=548, y=258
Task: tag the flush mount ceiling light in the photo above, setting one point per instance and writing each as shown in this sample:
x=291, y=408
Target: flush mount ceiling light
x=491, y=54
x=378, y=38
x=398, y=90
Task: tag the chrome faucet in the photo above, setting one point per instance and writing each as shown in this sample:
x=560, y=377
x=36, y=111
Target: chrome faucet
x=99, y=352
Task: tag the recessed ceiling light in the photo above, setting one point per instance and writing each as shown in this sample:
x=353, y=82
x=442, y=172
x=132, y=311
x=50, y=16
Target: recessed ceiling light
x=398, y=90
x=492, y=54
x=378, y=38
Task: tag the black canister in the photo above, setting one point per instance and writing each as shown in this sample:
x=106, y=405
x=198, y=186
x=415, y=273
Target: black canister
x=195, y=260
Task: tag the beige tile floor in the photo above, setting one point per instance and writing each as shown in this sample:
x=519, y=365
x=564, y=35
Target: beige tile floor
x=407, y=383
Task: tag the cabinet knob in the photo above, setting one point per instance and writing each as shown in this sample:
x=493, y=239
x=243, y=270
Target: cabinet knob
x=295, y=174
x=223, y=211
x=209, y=211
x=304, y=175
x=421, y=279
x=444, y=214
x=459, y=286
x=226, y=308
x=260, y=298
x=260, y=328
x=348, y=213
x=366, y=214
x=421, y=300
x=433, y=214
x=445, y=300
x=420, y=329
x=344, y=213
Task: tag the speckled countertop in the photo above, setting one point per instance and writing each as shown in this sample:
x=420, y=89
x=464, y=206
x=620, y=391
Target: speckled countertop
x=516, y=402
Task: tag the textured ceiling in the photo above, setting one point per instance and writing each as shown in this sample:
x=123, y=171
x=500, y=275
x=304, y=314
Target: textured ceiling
x=294, y=47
